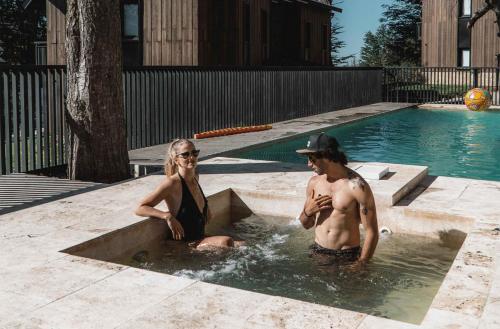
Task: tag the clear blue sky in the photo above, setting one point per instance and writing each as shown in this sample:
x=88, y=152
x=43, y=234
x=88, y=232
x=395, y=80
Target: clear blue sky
x=357, y=18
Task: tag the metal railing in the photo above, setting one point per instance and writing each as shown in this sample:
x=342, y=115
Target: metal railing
x=443, y=85
x=32, y=128
x=162, y=103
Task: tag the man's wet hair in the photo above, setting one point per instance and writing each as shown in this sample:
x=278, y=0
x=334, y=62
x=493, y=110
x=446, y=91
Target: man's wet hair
x=334, y=153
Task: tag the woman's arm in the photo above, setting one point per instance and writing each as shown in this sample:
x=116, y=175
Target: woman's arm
x=147, y=208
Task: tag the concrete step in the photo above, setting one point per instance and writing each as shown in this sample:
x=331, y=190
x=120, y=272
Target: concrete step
x=400, y=181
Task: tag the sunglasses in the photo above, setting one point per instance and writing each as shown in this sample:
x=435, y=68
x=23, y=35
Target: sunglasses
x=186, y=155
x=313, y=157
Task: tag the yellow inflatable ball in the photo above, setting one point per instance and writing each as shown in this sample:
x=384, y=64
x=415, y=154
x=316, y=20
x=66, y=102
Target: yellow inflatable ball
x=478, y=99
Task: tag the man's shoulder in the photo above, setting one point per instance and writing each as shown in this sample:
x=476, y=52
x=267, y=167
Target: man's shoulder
x=358, y=184
x=314, y=179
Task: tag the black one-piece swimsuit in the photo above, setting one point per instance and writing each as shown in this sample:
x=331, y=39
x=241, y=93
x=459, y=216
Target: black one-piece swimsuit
x=189, y=215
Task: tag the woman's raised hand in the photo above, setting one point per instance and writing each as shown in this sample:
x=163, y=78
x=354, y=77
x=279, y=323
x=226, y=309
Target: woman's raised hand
x=175, y=227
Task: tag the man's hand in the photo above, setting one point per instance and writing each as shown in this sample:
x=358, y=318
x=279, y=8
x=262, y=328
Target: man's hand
x=316, y=204
x=175, y=227
x=357, y=266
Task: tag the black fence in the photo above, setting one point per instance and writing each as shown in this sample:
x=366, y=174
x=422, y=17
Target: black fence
x=442, y=85
x=32, y=128
x=162, y=103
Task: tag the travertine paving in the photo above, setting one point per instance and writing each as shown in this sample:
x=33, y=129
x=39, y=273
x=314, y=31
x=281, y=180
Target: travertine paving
x=42, y=287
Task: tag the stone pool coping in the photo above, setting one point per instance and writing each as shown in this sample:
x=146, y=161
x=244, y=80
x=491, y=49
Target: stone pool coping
x=452, y=107
x=44, y=288
x=220, y=146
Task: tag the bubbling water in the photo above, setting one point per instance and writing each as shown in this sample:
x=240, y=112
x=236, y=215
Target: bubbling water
x=399, y=283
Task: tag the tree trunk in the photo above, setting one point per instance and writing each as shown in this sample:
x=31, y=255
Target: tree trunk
x=98, y=146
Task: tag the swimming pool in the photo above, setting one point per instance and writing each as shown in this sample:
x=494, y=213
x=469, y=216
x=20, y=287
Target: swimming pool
x=455, y=143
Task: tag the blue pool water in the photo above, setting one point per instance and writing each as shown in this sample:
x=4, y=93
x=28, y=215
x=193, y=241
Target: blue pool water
x=450, y=142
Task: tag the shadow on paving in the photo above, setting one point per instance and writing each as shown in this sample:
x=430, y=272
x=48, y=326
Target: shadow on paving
x=227, y=167
x=21, y=191
x=245, y=168
x=419, y=189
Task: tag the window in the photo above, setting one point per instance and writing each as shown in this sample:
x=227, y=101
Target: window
x=307, y=41
x=263, y=26
x=465, y=7
x=307, y=35
x=325, y=37
x=464, y=59
x=131, y=21
x=246, y=33
x=131, y=32
x=264, y=33
x=40, y=53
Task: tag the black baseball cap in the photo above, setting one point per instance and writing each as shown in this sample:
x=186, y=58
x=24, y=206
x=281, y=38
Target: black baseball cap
x=319, y=143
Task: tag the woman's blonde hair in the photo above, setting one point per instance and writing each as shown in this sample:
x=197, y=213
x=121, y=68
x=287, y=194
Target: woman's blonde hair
x=170, y=165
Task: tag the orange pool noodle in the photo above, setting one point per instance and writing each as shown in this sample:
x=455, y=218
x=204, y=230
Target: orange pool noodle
x=231, y=131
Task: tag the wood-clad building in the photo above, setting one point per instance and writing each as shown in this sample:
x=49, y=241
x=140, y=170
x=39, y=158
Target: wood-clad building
x=56, y=32
x=213, y=32
x=446, y=41
x=234, y=32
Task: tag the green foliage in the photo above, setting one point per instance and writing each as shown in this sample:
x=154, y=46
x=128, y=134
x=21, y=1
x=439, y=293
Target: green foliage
x=396, y=41
x=401, y=20
x=19, y=29
x=373, y=52
x=336, y=44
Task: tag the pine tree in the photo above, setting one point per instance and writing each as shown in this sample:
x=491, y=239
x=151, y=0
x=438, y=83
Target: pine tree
x=401, y=19
x=396, y=41
x=95, y=94
x=373, y=52
x=336, y=44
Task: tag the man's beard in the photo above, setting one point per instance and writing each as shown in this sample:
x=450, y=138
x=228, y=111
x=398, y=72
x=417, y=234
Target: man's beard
x=318, y=171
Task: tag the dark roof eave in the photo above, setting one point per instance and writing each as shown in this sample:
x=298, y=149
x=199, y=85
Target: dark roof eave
x=337, y=9
x=325, y=3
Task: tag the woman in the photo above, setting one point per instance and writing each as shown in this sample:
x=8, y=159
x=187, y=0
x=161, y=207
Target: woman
x=187, y=205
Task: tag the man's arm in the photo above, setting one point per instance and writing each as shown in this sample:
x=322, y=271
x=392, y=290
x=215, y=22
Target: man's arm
x=368, y=213
x=313, y=205
x=308, y=219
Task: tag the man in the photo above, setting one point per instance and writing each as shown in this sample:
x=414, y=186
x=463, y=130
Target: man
x=338, y=200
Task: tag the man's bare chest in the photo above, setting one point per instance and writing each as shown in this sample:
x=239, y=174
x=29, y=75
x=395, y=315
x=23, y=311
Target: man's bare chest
x=342, y=198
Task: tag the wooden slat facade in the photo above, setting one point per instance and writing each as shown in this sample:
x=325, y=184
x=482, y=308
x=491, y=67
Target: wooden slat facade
x=222, y=30
x=170, y=32
x=56, y=34
x=439, y=32
x=440, y=35
x=217, y=32
x=485, y=43
x=220, y=27
x=259, y=49
x=319, y=19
